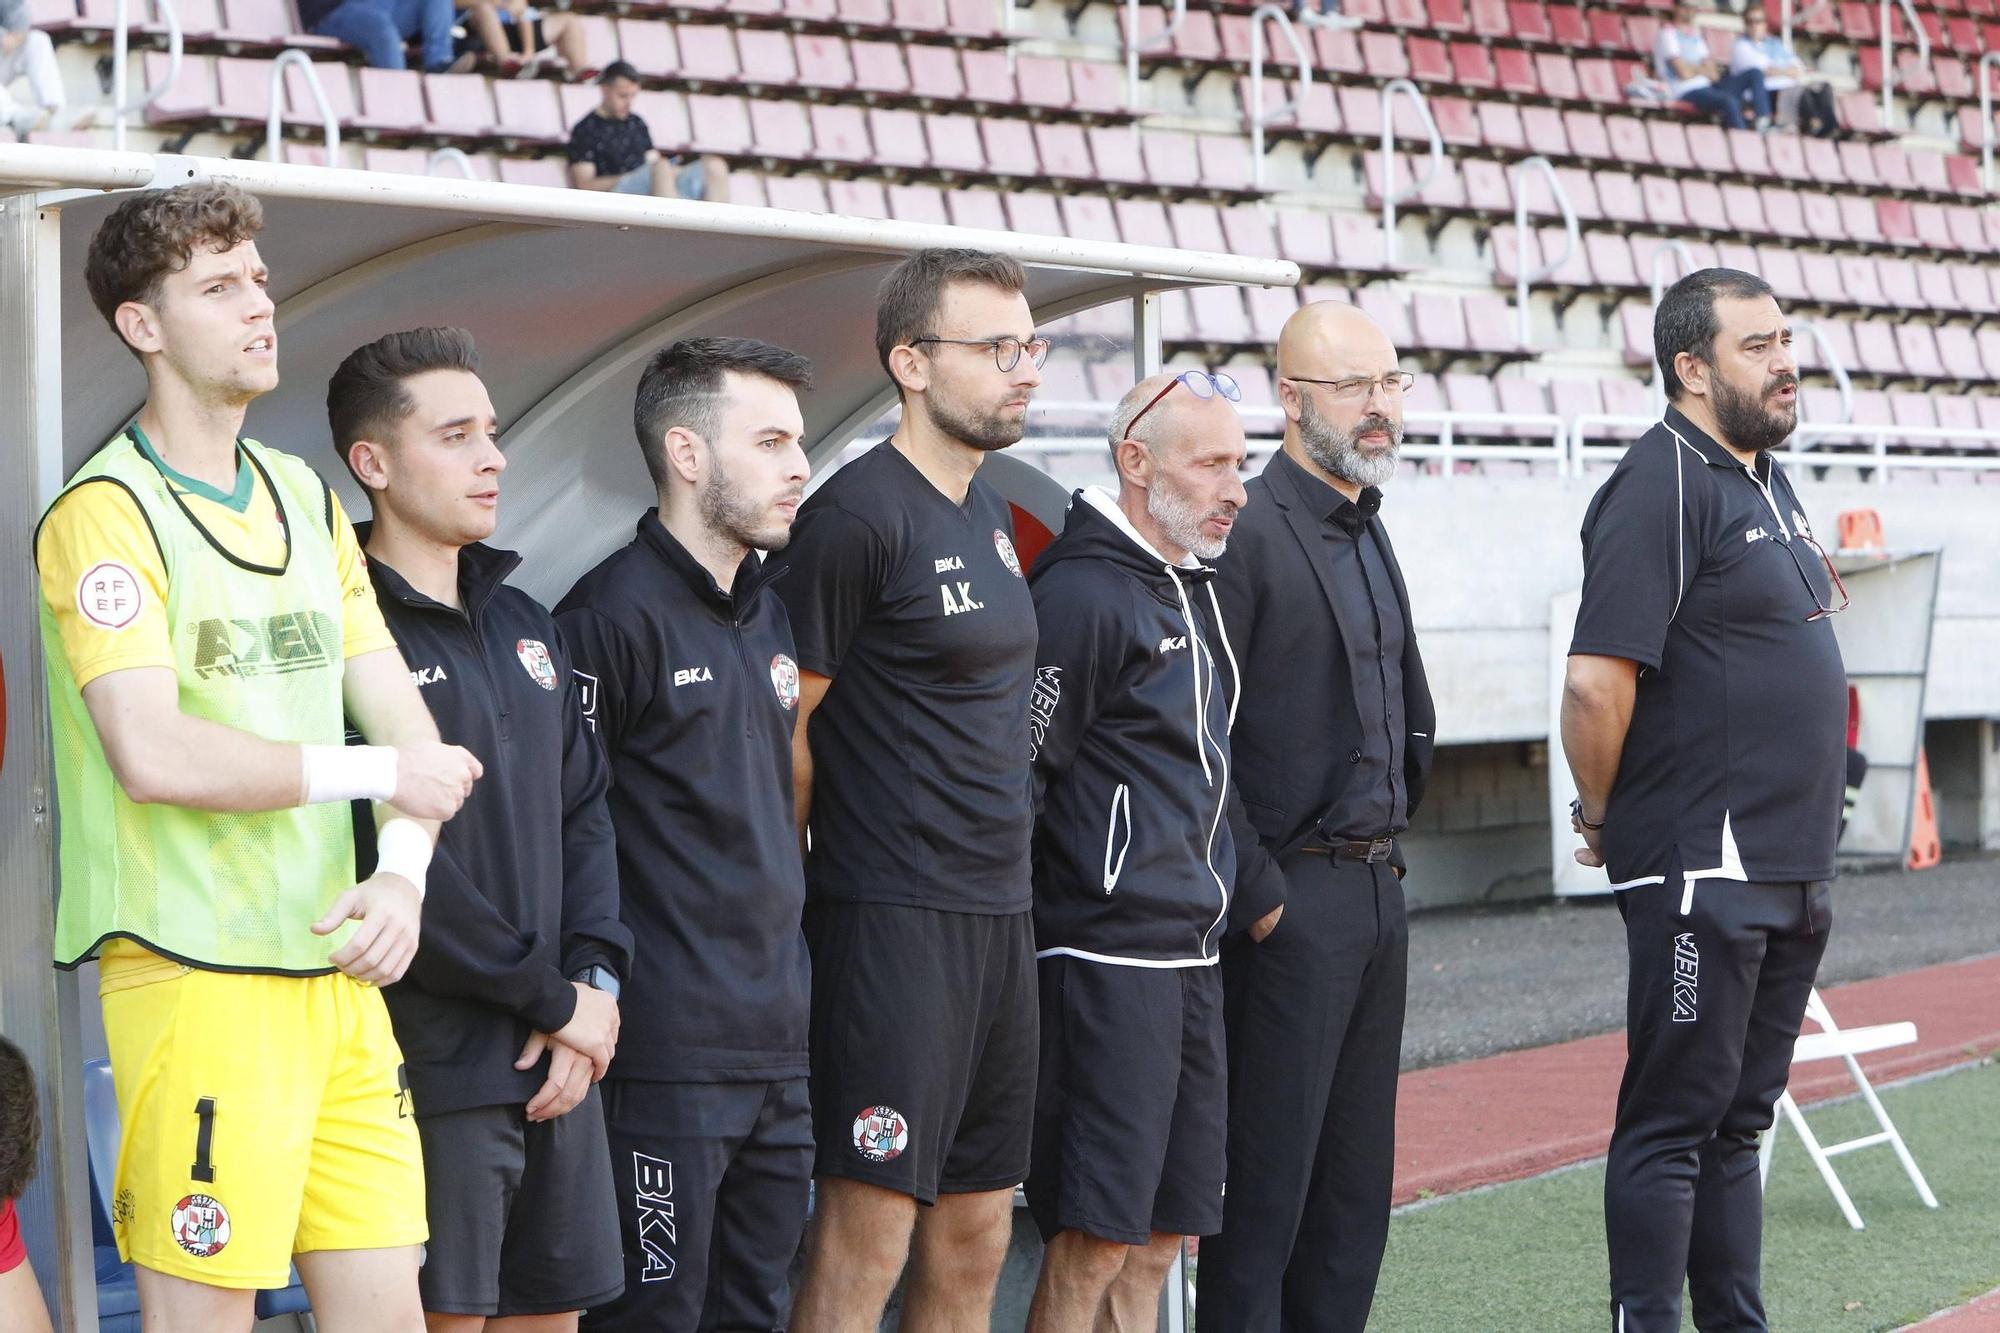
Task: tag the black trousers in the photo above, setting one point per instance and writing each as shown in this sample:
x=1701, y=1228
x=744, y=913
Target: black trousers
x=1718, y=988
x=713, y=1181
x=1315, y=1024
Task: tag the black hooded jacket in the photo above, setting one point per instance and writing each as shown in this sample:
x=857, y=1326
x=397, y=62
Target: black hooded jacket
x=1129, y=731
x=523, y=890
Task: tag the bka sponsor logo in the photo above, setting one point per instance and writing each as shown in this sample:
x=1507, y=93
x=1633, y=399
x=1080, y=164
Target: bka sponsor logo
x=960, y=602
x=946, y=565
x=1756, y=535
x=1687, y=972
x=428, y=676
x=653, y=1191
x=288, y=641
x=1173, y=641
x=1042, y=700
x=692, y=675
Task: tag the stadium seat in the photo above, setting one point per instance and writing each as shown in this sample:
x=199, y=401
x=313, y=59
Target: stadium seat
x=1958, y=353
x=552, y=173
x=719, y=124
x=879, y=69
x=649, y=47
x=1139, y=222
x=935, y=75
x=1116, y=155
x=781, y=131
x=920, y=203
x=1250, y=232
x=800, y=194
x=857, y=198
x=898, y=136
x=708, y=55
x=1010, y=148
x=954, y=143
x=983, y=209
x=1779, y=265
x=1305, y=237
x=767, y=59
x=527, y=111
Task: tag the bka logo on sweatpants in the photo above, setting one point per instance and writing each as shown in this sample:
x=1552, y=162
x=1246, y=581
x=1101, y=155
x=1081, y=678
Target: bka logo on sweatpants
x=653, y=1193
x=1687, y=971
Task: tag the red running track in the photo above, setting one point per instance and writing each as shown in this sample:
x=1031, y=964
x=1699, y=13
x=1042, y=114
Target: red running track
x=1506, y=1117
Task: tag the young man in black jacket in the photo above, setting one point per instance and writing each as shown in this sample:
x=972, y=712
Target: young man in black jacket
x=521, y=955
x=693, y=690
x=1134, y=862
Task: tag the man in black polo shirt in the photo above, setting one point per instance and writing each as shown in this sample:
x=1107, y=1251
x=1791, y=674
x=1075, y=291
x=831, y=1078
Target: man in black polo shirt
x=509, y=1011
x=693, y=690
x=1704, y=718
x=1331, y=747
x=917, y=642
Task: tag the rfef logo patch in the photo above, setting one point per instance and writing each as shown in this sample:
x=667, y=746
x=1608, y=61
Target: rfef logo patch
x=785, y=680
x=534, y=655
x=200, y=1226
x=108, y=595
x=881, y=1133
x=1006, y=549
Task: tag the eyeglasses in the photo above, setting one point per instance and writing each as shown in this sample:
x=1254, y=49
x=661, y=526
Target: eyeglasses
x=1200, y=383
x=1832, y=574
x=1357, y=388
x=1006, y=351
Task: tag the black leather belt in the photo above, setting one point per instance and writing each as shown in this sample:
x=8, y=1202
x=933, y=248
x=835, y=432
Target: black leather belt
x=1372, y=851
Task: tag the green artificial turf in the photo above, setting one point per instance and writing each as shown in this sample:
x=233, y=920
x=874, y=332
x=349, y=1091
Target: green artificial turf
x=1529, y=1257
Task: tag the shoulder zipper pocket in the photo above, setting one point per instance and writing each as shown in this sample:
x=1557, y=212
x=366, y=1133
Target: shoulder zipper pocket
x=1115, y=845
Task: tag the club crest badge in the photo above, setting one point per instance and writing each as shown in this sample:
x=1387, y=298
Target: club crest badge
x=534, y=655
x=200, y=1225
x=785, y=680
x=1006, y=549
x=881, y=1134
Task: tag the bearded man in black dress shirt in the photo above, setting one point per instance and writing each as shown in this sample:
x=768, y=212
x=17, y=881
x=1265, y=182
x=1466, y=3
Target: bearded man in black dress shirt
x=1328, y=776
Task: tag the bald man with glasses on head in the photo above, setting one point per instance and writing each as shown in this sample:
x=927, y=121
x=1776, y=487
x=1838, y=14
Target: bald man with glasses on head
x=1331, y=745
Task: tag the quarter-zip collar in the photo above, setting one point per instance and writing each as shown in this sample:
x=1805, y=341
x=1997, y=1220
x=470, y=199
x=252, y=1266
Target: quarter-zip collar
x=481, y=571
x=653, y=535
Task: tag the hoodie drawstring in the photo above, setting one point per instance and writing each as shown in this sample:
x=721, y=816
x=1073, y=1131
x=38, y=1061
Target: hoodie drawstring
x=1235, y=676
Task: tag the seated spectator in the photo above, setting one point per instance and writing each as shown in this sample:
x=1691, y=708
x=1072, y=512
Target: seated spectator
x=497, y=26
x=21, y=1308
x=611, y=149
x=378, y=29
x=1801, y=106
x=27, y=53
x=1682, y=61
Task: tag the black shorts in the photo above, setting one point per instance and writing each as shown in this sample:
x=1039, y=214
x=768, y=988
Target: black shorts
x=923, y=1047
x=522, y=1216
x=1132, y=1113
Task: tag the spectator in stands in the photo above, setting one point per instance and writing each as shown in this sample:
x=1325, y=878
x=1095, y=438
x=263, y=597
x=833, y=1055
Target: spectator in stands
x=1684, y=63
x=27, y=53
x=496, y=25
x=21, y=1308
x=611, y=149
x=1801, y=106
x=378, y=29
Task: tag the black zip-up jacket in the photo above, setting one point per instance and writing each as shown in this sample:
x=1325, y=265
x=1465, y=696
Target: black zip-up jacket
x=694, y=693
x=523, y=891
x=1129, y=729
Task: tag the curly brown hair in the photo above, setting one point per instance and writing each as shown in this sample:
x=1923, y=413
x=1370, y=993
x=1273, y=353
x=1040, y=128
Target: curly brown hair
x=20, y=1121
x=155, y=232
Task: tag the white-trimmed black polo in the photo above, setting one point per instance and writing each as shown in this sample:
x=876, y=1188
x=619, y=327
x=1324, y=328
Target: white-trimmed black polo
x=1699, y=569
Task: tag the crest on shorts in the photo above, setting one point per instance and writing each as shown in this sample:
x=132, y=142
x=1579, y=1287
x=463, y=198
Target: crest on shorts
x=534, y=655
x=200, y=1225
x=1005, y=547
x=881, y=1133
x=785, y=680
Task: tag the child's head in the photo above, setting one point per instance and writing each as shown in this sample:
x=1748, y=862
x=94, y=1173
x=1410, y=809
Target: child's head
x=20, y=1121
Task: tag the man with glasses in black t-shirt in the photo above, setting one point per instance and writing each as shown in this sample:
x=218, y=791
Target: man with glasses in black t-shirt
x=1704, y=718
x=916, y=643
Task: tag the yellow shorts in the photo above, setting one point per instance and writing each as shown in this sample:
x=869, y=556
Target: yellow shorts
x=264, y=1116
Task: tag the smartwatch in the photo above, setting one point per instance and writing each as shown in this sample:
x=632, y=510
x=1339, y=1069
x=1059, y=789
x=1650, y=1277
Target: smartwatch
x=599, y=977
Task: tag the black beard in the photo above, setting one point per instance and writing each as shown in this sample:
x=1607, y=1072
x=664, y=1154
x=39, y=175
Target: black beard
x=987, y=434
x=1747, y=423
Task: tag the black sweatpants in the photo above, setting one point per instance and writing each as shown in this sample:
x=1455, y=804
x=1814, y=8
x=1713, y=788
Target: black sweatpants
x=1718, y=988
x=1315, y=1024
x=713, y=1181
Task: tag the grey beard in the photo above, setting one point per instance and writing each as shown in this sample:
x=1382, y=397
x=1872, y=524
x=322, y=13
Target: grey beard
x=1181, y=521
x=1336, y=451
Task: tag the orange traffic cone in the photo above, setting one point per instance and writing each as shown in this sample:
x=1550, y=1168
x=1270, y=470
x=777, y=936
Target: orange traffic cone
x=1925, y=850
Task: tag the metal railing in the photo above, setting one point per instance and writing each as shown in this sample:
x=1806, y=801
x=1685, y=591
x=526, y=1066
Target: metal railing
x=1391, y=195
x=1571, y=235
x=1986, y=64
x=273, y=119
x=1889, y=53
x=1133, y=44
x=1259, y=114
x=1877, y=436
x=1834, y=368
x=452, y=156
x=121, y=18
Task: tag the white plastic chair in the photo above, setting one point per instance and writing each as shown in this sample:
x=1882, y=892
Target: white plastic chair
x=1834, y=1042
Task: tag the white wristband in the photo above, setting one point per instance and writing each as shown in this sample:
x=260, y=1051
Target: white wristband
x=403, y=848
x=349, y=773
